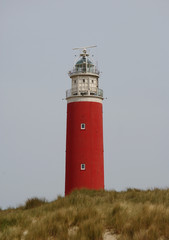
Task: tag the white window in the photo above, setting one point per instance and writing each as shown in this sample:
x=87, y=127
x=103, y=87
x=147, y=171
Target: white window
x=83, y=167
x=82, y=125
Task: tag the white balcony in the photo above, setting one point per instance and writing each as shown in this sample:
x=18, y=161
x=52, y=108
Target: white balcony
x=85, y=70
x=74, y=93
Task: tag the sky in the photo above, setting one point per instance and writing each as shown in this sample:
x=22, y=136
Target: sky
x=36, y=42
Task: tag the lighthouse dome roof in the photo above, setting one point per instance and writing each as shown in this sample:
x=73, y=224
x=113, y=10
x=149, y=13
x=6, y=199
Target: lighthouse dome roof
x=83, y=61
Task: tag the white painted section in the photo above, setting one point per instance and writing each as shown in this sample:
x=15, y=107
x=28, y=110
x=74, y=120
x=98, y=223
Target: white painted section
x=84, y=84
x=85, y=99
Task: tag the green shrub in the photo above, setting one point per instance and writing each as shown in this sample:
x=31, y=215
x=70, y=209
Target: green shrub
x=34, y=202
x=7, y=222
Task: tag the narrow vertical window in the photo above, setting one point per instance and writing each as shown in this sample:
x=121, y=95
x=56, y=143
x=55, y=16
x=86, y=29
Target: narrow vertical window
x=83, y=126
x=84, y=80
x=83, y=167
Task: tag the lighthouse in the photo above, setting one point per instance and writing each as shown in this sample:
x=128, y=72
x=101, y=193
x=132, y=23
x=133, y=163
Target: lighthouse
x=84, y=132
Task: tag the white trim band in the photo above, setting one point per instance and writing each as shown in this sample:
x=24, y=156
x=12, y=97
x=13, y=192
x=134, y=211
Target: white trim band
x=84, y=99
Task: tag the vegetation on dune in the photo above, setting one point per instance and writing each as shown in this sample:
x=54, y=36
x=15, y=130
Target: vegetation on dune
x=34, y=202
x=86, y=215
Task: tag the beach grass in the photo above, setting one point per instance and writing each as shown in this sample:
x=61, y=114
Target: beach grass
x=87, y=214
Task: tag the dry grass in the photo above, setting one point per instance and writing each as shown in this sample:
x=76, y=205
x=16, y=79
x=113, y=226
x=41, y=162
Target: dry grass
x=34, y=202
x=85, y=215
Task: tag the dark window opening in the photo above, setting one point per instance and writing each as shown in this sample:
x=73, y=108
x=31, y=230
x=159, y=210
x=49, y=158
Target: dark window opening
x=82, y=125
x=83, y=167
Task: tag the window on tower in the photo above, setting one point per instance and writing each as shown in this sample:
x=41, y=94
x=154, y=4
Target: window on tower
x=84, y=80
x=83, y=126
x=83, y=167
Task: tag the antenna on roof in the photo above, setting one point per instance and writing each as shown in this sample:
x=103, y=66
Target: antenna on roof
x=84, y=47
x=84, y=50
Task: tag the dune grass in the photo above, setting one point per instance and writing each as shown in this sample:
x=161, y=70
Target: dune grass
x=85, y=215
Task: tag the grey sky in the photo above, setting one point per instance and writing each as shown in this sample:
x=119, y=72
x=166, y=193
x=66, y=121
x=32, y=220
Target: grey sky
x=36, y=41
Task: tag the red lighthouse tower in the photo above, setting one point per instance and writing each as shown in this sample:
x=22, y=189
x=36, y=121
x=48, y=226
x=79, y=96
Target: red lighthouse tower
x=84, y=136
